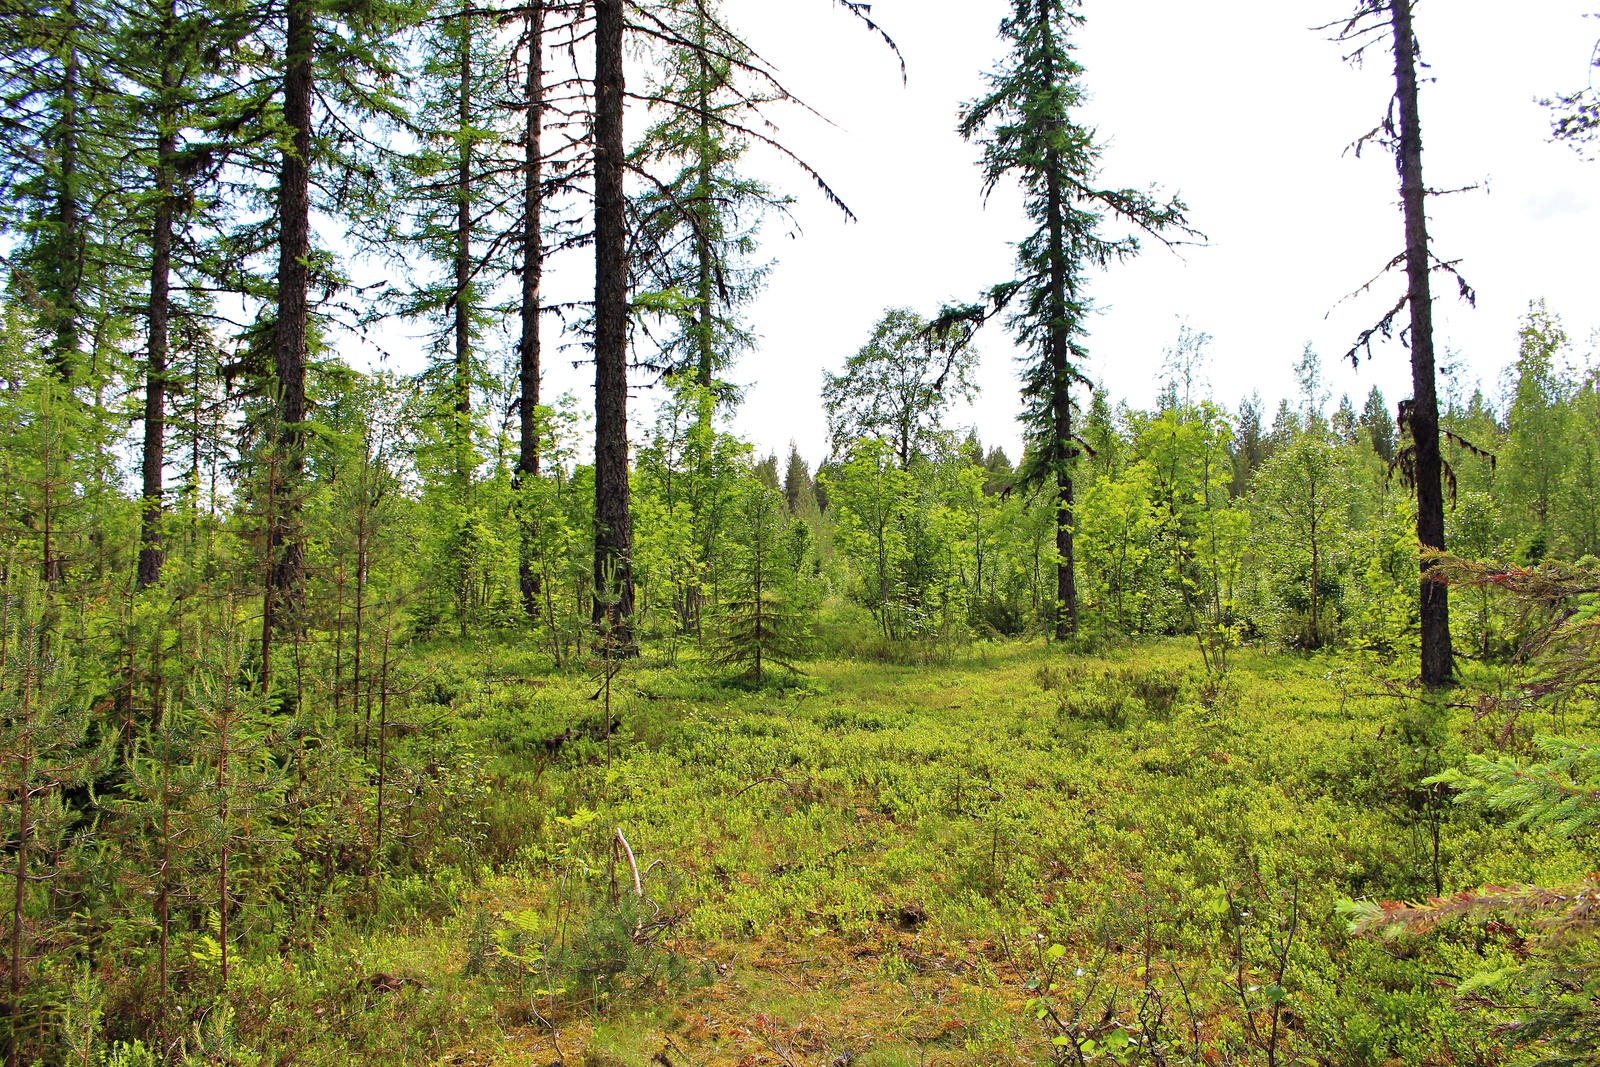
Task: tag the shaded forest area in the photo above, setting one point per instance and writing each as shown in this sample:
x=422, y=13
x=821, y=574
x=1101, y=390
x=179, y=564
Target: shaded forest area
x=353, y=714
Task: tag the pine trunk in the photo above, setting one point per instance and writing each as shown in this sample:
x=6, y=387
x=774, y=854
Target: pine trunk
x=613, y=546
x=1437, y=665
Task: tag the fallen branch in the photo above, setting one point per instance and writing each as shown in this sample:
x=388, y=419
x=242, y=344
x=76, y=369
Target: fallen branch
x=638, y=885
x=759, y=781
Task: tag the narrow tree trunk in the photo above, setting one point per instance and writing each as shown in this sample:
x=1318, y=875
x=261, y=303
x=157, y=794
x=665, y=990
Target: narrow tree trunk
x=294, y=250
x=1316, y=576
x=463, y=263
x=462, y=443
x=383, y=748
x=977, y=551
x=24, y=773
x=760, y=565
x=155, y=384
x=705, y=333
x=883, y=578
x=269, y=595
x=704, y=498
x=532, y=276
x=194, y=453
x=163, y=893
x=52, y=566
x=1066, y=578
x=613, y=545
x=361, y=589
x=223, y=815
x=1437, y=665
x=338, y=640
x=702, y=495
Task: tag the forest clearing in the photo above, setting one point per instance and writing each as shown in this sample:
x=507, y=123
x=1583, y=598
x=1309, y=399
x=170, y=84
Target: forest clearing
x=373, y=690
x=875, y=863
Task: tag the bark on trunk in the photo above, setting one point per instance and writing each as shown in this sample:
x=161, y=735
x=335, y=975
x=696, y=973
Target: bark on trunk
x=1437, y=660
x=705, y=333
x=462, y=310
x=532, y=276
x=1061, y=411
x=163, y=893
x=463, y=265
x=702, y=495
x=223, y=814
x=294, y=250
x=69, y=239
x=613, y=546
x=20, y=898
x=155, y=387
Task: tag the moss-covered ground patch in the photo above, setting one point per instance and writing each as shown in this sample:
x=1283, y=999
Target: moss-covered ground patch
x=904, y=865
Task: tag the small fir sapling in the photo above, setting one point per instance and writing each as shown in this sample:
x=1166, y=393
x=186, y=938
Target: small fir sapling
x=45, y=751
x=761, y=624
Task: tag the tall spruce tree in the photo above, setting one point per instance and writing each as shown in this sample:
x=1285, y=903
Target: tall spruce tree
x=1028, y=127
x=53, y=159
x=1379, y=425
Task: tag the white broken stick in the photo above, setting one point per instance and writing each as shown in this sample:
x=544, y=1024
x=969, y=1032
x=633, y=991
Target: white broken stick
x=638, y=885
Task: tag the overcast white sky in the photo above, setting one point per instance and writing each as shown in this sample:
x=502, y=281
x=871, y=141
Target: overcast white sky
x=1246, y=114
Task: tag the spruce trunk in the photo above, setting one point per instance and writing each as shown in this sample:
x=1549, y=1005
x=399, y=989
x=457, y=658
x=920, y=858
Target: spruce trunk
x=463, y=263
x=462, y=443
x=294, y=250
x=155, y=387
x=1061, y=410
x=69, y=238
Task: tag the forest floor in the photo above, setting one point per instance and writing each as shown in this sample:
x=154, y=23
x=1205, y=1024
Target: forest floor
x=886, y=865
